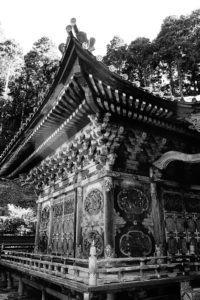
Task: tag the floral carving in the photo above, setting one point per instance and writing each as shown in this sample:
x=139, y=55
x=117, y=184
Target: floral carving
x=94, y=202
x=90, y=237
x=69, y=204
x=135, y=243
x=44, y=218
x=133, y=201
x=107, y=184
x=58, y=210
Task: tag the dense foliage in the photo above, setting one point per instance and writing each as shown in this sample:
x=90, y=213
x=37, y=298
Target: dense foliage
x=170, y=64
x=24, y=81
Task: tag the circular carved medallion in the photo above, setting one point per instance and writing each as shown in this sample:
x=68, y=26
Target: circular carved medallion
x=133, y=201
x=135, y=243
x=98, y=242
x=94, y=202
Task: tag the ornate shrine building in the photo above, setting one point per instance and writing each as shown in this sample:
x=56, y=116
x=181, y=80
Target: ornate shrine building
x=116, y=172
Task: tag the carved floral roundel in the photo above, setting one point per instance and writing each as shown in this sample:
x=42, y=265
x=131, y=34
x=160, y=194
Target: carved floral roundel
x=133, y=201
x=93, y=202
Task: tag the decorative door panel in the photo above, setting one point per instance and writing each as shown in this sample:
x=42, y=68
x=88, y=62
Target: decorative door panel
x=93, y=219
x=182, y=220
x=132, y=208
x=63, y=226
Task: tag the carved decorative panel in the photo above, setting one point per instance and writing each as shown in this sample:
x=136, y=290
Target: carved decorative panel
x=92, y=223
x=172, y=245
x=63, y=225
x=43, y=229
x=133, y=201
x=170, y=224
x=94, y=202
x=91, y=236
x=132, y=219
x=182, y=221
x=42, y=243
x=180, y=224
x=135, y=243
x=44, y=219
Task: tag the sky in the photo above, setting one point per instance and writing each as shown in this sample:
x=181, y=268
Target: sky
x=28, y=20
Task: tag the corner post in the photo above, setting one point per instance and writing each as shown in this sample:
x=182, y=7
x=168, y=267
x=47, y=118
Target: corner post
x=108, y=213
x=186, y=291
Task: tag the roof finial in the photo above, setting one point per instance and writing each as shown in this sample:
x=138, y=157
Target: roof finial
x=82, y=36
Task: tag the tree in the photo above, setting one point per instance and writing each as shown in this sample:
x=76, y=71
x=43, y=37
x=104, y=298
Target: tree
x=11, y=62
x=41, y=63
x=178, y=49
x=140, y=61
x=27, y=85
x=116, y=54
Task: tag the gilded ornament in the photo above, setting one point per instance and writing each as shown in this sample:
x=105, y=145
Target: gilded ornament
x=108, y=184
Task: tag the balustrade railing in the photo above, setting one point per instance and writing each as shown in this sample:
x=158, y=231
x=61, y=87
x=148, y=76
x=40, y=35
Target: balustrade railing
x=104, y=271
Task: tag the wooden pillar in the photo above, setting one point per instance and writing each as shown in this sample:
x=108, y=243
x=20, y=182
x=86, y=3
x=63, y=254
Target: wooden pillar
x=43, y=295
x=186, y=291
x=9, y=280
x=79, y=210
x=108, y=213
x=49, y=247
x=3, y=276
x=157, y=218
x=20, y=287
x=37, y=226
x=86, y=296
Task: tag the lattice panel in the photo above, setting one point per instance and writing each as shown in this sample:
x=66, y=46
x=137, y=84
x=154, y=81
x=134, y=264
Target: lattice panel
x=63, y=225
x=182, y=222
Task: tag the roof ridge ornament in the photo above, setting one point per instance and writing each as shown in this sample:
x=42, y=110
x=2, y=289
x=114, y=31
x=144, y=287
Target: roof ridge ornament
x=81, y=36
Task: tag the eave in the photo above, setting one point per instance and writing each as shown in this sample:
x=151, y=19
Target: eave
x=65, y=109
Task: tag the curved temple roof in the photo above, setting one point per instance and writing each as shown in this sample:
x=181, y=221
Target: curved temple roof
x=84, y=86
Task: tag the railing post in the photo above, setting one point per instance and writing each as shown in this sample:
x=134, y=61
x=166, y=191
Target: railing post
x=92, y=266
x=186, y=291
